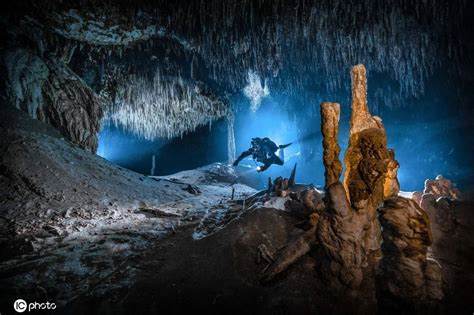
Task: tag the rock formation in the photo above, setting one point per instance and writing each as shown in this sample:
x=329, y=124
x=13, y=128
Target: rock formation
x=441, y=187
x=330, y=128
x=49, y=91
x=71, y=106
x=409, y=280
x=349, y=232
x=451, y=218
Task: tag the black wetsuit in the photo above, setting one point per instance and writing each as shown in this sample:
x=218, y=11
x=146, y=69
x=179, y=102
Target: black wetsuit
x=263, y=151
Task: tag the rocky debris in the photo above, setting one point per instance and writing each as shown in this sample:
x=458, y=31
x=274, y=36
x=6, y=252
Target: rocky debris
x=441, y=212
x=217, y=216
x=282, y=186
x=409, y=280
x=438, y=199
x=302, y=202
x=441, y=187
x=193, y=190
x=294, y=250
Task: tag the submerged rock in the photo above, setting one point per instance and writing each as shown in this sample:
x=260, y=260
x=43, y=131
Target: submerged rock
x=409, y=280
x=441, y=187
x=451, y=219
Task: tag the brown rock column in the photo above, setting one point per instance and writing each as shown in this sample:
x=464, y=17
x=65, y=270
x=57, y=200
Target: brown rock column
x=360, y=116
x=349, y=232
x=367, y=157
x=342, y=258
x=329, y=127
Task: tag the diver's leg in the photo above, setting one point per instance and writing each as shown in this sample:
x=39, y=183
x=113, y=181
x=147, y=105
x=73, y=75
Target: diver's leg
x=282, y=146
x=281, y=154
x=242, y=156
x=276, y=160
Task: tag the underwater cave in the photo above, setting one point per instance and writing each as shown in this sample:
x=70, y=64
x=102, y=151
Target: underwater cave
x=252, y=156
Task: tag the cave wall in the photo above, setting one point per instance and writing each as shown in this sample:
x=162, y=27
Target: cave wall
x=39, y=82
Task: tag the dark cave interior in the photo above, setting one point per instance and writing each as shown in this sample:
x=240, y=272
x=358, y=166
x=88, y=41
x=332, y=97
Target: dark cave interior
x=121, y=121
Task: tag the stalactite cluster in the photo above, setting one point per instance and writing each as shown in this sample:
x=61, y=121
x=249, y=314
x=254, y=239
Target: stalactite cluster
x=163, y=108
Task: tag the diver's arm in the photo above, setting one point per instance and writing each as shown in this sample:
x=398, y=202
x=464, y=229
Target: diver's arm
x=242, y=156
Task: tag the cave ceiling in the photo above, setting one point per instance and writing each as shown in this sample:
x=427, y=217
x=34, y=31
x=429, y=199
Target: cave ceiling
x=162, y=68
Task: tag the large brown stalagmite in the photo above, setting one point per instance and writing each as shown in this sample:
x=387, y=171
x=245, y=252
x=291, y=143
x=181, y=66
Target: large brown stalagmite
x=407, y=278
x=349, y=232
x=367, y=157
x=370, y=175
x=340, y=227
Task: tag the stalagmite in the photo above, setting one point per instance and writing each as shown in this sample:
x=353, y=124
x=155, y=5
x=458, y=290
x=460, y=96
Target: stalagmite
x=366, y=157
x=230, y=139
x=329, y=127
x=153, y=164
x=360, y=115
x=349, y=233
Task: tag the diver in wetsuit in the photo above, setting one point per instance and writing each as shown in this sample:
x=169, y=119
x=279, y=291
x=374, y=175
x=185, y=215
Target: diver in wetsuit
x=263, y=151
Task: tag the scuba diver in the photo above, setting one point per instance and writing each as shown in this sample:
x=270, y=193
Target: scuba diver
x=263, y=151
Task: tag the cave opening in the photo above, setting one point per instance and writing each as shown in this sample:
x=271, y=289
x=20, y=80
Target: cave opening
x=203, y=146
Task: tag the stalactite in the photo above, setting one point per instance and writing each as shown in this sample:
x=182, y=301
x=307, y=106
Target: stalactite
x=230, y=139
x=165, y=107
